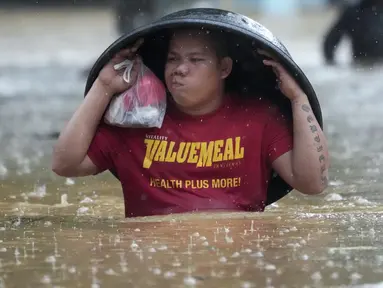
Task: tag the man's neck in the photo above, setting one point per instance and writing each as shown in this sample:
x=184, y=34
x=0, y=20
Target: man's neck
x=205, y=108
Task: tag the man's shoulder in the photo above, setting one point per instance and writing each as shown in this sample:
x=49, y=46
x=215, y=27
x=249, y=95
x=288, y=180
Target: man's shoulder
x=113, y=135
x=109, y=131
x=256, y=105
x=120, y=135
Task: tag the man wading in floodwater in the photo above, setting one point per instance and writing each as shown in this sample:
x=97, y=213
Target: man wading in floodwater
x=214, y=151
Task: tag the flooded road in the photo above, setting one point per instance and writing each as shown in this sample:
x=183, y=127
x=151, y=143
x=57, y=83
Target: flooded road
x=58, y=232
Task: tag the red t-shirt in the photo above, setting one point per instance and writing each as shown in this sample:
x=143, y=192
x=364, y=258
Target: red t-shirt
x=220, y=161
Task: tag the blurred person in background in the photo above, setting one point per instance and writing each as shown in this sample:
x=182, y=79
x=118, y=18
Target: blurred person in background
x=131, y=14
x=340, y=3
x=362, y=22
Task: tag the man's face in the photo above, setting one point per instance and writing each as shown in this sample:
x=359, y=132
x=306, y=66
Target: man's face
x=193, y=73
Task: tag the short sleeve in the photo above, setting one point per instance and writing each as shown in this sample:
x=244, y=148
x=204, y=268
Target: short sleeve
x=100, y=151
x=278, y=135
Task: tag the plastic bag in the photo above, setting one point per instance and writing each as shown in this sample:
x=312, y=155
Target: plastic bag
x=141, y=106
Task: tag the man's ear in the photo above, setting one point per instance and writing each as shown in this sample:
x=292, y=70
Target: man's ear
x=226, y=67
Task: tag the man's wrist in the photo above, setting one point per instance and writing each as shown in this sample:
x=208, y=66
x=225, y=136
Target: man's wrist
x=299, y=98
x=103, y=89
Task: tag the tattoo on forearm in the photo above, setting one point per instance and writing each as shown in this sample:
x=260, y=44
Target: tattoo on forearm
x=317, y=139
x=324, y=180
x=306, y=108
x=322, y=168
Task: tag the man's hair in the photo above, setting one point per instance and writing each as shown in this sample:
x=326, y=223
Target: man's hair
x=216, y=38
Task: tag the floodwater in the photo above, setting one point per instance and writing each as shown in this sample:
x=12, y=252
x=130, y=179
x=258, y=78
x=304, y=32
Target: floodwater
x=58, y=232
